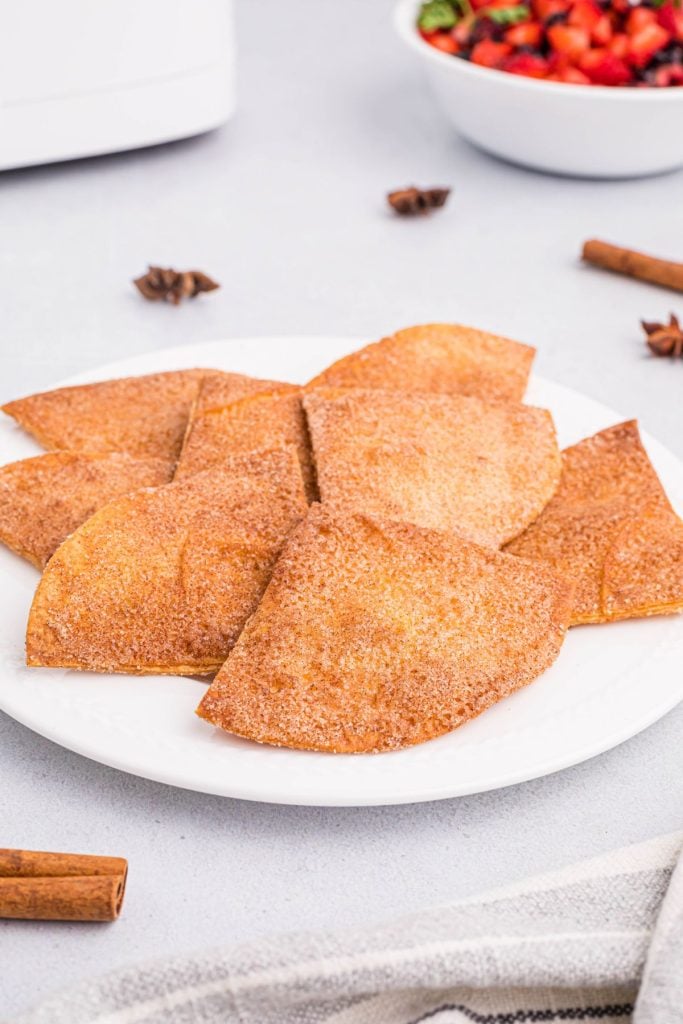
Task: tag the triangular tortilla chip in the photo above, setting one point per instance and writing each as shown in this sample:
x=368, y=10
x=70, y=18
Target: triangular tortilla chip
x=162, y=581
x=446, y=358
x=377, y=635
x=451, y=462
x=144, y=416
x=643, y=571
x=610, y=526
x=44, y=499
x=258, y=421
x=218, y=390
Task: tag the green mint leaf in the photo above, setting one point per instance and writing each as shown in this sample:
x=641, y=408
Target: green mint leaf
x=437, y=14
x=507, y=15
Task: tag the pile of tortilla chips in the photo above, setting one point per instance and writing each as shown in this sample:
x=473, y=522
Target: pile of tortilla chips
x=361, y=563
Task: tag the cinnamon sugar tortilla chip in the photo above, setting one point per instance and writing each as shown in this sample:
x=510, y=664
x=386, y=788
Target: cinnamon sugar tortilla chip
x=258, y=421
x=162, y=581
x=44, y=499
x=446, y=358
x=451, y=462
x=611, y=527
x=374, y=635
x=218, y=390
x=643, y=571
x=143, y=416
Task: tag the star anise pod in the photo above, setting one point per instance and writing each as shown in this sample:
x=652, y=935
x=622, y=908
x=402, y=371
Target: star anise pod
x=664, y=339
x=173, y=285
x=411, y=201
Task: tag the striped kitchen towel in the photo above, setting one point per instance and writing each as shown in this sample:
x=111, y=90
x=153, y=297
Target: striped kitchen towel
x=600, y=941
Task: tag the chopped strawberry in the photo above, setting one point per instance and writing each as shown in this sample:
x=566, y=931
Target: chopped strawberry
x=529, y=33
x=444, y=41
x=547, y=8
x=461, y=32
x=574, y=76
x=602, y=31
x=572, y=42
x=529, y=64
x=640, y=18
x=585, y=14
x=671, y=18
x=645, y=43
x=490, y=54
x=666, y=75
x=558, y=62
x=618, y=45
x=603, y=68
x=676, y=72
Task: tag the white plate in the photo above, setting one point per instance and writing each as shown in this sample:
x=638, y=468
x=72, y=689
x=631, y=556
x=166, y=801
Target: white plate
x=608, y=684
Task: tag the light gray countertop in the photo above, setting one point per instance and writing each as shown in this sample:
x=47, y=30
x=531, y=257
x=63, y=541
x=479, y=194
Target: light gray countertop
x=285, y=206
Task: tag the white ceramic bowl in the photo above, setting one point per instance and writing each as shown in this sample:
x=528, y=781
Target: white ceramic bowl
x=585, y=131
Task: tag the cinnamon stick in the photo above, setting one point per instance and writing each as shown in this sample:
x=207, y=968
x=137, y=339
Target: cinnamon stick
x=40, y=886
x=665, y=273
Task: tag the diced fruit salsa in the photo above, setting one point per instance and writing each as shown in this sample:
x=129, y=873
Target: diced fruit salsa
x=583, y=42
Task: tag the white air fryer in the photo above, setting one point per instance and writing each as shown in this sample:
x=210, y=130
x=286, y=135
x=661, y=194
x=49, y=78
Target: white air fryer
x=82, y=77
